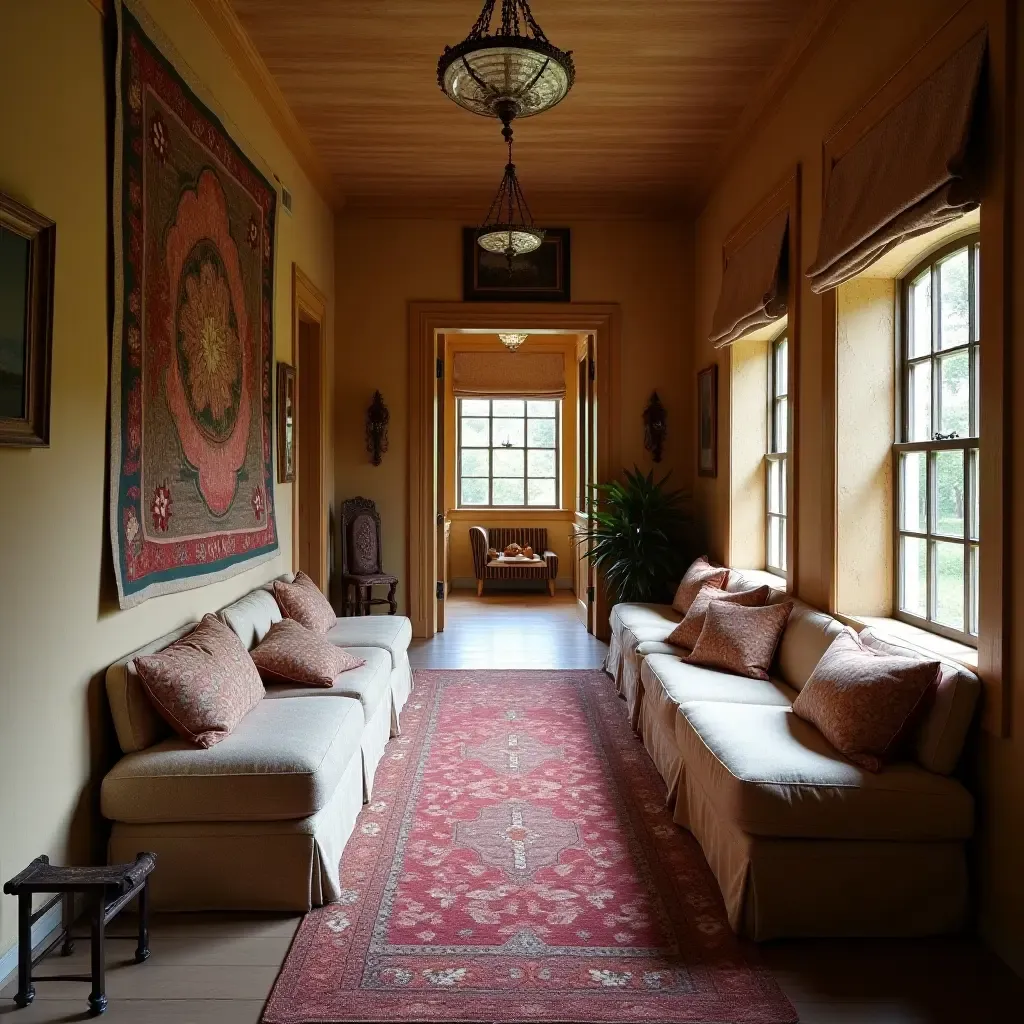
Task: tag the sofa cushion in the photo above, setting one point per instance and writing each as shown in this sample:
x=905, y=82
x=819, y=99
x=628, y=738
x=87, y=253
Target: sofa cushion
x=203, y=684
x=283, y=761
x=636, y=615
x=687, y=632
x=302, y=600
x=769, y=773
x=939, y=740
x=251, y=617
x=292, y=654
x=137, y=723
x=392, y=633
x=865, y=702
x=806, y=638
x=701, y=573
x=741, y=640
x=369, y=684
x=748, y=579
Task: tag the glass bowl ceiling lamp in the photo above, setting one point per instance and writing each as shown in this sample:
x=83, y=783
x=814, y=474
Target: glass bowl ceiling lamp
x=512, y=341
x=508, y=227
x=511, y=72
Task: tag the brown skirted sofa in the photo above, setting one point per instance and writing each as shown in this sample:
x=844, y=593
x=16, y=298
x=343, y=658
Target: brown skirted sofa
x=499, y=538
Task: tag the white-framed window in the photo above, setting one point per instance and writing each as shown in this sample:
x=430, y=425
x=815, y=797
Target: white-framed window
x=936, y=454
x=509, y=452
x=776, y=458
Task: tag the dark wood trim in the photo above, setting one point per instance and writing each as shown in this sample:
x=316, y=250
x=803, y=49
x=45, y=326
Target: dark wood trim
x=711, y=371
x=33, y=429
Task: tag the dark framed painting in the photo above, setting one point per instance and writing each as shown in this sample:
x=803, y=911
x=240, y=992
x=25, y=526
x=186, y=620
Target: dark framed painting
x=707, y=421
x=539, y=276
x=285, y=423
x=27, y=252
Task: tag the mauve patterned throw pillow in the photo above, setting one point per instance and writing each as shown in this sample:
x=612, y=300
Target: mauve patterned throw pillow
x=740, y=640
x=203, y=684
x=302, y=601
x=864, y=702
x=701, y=573
x=687, y=632
x=290, y=653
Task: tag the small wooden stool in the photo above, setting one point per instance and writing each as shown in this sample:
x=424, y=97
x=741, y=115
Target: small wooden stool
x=108, y=889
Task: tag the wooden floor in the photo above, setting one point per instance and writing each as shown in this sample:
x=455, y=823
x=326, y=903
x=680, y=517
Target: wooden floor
x=219, y=968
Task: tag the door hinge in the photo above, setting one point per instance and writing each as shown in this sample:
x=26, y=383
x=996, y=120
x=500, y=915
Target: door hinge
x=440, y=369
x=590, y=594
x=440, y=590
x=593, y=370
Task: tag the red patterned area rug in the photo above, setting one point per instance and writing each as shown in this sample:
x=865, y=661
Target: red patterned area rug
x=518, y=864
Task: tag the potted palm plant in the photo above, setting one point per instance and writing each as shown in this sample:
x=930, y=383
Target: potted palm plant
x=640, y=536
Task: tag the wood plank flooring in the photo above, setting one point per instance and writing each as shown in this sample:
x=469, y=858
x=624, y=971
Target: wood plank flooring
x=219, y=968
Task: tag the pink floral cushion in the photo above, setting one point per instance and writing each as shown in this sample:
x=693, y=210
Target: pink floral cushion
x=865, y=702
x=740, y=640
x=302, y=601
x=290, y=653
x=204, y=684
x=701, y=573
x=687, y=632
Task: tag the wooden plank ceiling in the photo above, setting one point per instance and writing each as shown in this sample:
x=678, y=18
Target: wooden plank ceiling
x=661, y=86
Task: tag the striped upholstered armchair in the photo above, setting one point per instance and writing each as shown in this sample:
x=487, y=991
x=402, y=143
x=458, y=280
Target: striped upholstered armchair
x=499, y=538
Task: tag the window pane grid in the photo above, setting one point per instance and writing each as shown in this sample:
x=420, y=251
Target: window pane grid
x=508, y=453
x=936, y=463
x=776, y=462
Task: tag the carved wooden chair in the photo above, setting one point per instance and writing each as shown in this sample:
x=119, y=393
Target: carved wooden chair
x=360, y=560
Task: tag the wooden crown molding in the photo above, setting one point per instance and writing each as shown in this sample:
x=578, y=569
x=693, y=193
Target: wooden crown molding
x=224, y=24
x=820, y=21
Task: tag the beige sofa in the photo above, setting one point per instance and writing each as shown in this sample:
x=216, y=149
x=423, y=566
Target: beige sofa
x=801, y=840
x=259, y=820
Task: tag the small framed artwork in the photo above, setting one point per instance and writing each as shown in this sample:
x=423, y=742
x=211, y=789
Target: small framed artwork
x=538, y=276
x=285, y=423
x=707, y=421
x=27, y=254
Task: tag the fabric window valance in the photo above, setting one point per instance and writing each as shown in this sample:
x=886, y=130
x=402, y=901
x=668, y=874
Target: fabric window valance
x=521, y=374
x=910, y=173
x=754, y=284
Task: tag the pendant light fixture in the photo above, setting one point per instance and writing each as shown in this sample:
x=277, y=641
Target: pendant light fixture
x=508, y=73
x=512, y=341
x=508, y=228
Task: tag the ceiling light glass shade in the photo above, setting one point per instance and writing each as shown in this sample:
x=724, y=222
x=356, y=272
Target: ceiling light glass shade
x=512, y=72
x=512, y=341
x=509, y=241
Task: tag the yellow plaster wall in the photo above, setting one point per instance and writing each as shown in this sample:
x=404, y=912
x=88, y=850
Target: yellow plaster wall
x=59, y=623
x=383, y=264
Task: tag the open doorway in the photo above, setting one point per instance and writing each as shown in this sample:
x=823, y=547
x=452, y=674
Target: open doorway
x=507, y=467
x=309, y=506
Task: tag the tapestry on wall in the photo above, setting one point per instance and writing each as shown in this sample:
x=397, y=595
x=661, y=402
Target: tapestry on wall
x=191, y=403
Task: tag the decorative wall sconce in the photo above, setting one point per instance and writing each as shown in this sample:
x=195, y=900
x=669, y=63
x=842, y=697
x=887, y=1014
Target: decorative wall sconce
x=377, y=418
x=655, y=426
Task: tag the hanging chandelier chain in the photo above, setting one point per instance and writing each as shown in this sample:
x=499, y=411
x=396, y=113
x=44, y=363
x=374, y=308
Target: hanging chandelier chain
x=516, y=20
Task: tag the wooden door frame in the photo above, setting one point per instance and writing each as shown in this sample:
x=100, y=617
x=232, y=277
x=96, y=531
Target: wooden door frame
x=426, y=321
x=310, y=304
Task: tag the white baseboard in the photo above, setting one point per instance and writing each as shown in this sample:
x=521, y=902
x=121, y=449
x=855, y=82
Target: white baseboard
x=469, y=583
x=44, y=930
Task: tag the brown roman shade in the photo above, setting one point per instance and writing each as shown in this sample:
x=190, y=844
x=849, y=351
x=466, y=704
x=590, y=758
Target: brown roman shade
x=910, y=173
x=521, y=374
x=753, y=284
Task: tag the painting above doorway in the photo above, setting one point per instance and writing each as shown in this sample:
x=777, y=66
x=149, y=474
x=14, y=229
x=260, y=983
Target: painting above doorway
x=191, y=460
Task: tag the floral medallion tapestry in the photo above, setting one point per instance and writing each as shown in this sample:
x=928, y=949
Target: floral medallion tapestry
x=191, y=406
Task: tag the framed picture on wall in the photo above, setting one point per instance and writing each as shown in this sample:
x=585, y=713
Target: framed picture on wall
x=707, y=421
x=538, y=276
x=285, y=423
x=27, y=250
